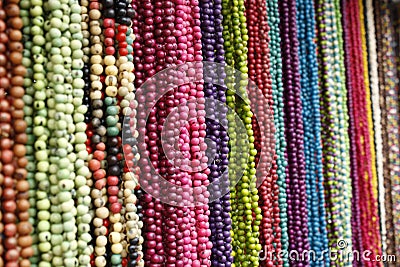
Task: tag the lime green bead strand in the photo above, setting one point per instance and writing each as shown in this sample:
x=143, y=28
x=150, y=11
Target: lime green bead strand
x=243, y=201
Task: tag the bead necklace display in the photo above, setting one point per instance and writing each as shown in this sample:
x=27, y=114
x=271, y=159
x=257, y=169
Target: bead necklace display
x=91, y=125
x=369, y=229
x=334, y=129
x=312, y=124
x=261, y=101
x=220, y=221
x=246, y=215
x=376, y=112
x=296, y=180
x=277, y=96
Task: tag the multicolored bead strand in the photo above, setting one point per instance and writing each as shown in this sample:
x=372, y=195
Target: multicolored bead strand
x=261, y=101
x=334, y=130
x=369, y=219
x=312, y=124
x=376, y=112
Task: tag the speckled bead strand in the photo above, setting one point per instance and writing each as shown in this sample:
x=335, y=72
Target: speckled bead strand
x=16, y=93
x=28, y=111
x=41, y=133
x=98, y=163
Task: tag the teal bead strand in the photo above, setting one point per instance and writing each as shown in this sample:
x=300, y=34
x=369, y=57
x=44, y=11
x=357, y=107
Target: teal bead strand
x=277, y=95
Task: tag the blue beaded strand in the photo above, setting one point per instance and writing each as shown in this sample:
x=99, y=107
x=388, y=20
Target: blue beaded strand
x=312, y=124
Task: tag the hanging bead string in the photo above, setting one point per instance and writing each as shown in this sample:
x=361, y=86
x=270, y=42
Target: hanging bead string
x=259, y=71
x=374, y=204
x=344, y=118
x=297, y=223
x=98, y=163
x=40, y=131
x=390, y=113
x=152, y=221
x=130, y=180
x=369, y=229
x=368, y=96
x=355, y=220
x=29, y=115
x=19, y=126
x=110, y=10
x=220, y=221
x=245, y=225
x=335, y=169
x=277, y=96
x=376, y=112
x=312, y=124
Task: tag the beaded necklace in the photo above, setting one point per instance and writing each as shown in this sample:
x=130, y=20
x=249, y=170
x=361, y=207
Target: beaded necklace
x=40, y=132
x=390, y=113
x=29, y=115
x=98, y=138
x=19, y=126
x=277, y=96
x=258, y=58
x=15, y=202
x=297, y=218
x=376, y=111
x=212, y=48
x=335, y=164
x=244, y=198
x=312, y=124
x=369, y=230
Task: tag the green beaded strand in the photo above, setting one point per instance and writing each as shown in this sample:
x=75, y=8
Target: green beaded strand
x=244, y=196
x=28, y=98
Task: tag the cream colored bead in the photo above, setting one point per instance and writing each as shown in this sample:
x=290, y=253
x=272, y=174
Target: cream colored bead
x=132, y=224
x=132, y=198
x=96, y=69
x=96, y=49
x=109, y=60
x=101, y=241
x=115, y=237
x=97, y=85
x=127, y=111
x=97, y=222
x=125, y=82
x=111, y=91
x=123, y=91
x=118, y=227
x=131, y=207
x=132, y=233
x=100, y=261
x=96, y=59
x=95, y=95
x=114, y=218
x=132, y=216
x=111, y=70
x=116, y=248
x=131, y=77
x=131, y=184
x=102, y=212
